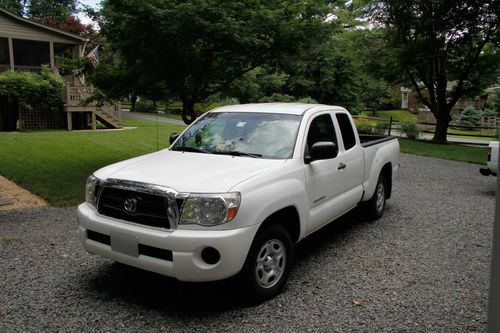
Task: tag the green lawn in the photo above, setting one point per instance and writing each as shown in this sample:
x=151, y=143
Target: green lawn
x=449, y=151
x=55, y=164
x=397, y=115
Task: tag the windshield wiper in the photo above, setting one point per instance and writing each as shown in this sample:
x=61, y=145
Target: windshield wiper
x=192, y=149
x=237, y=153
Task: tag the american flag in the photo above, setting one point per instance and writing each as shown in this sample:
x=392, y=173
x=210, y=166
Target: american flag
x=94, y=56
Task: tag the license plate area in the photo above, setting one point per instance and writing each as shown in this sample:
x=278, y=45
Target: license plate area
x=124, y=243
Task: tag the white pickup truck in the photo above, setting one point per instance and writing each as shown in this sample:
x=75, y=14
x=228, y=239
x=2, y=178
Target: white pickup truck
x=235, y=191
x=492, y=163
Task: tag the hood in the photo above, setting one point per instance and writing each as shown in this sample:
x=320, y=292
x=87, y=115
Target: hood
x=189, y=172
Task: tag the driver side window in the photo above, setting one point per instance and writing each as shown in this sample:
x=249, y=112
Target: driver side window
x=321, y=129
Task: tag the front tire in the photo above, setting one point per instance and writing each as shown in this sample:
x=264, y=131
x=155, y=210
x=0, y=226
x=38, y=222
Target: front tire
x=268, y=263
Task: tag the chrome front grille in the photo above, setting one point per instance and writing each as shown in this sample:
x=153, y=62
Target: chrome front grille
x=141, y=203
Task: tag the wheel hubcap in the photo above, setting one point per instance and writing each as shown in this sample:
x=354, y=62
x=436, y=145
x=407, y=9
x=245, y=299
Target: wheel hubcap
x=380, y=197
x=270, y=264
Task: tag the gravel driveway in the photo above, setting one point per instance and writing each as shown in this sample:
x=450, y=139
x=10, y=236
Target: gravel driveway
x=423, y=267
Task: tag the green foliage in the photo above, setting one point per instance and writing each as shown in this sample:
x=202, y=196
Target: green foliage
x=439, y=42
x=257, y=83
x=281, y=98
x=381, y=127
x=145, y=105
x=307, y=100
x=51, y=12
x=470, y=116
x=197, y=48
x=411, y=129
x=45, y=89
x=489, y=113
x=13, y=6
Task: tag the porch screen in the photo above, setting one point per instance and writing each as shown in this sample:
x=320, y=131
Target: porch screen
x=4, y=51
x=31, y=53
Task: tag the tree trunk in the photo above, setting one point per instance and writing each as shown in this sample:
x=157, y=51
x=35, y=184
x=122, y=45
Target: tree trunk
x=133, y=100
x=188, y=113
x=443, y=118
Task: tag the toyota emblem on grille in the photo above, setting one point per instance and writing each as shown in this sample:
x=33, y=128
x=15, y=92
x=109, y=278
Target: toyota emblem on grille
x=130, y=205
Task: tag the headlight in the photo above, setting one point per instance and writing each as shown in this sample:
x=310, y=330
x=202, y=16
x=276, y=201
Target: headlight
x=91, y=189
x=210, y=209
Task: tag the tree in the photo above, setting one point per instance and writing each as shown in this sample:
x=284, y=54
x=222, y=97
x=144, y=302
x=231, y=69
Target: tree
x=51, y=12
x=446, y=49
x=13, y=6
x=197, y=48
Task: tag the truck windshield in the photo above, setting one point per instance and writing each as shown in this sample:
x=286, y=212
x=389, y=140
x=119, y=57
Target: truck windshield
x=266, y=135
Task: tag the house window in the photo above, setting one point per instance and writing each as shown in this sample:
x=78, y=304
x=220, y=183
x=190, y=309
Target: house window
x=31, y=53
x=4, y=51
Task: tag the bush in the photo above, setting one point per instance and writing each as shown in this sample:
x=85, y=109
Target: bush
x=44, y=89
x=307, y=100
x=364, y=126
x=411, y=129
x=470, y=117
x=381, y=128
x=144, y=105
x=277, y=98
x=213, y=103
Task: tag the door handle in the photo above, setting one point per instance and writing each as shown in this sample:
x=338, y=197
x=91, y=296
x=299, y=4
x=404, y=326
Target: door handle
x=341, y=166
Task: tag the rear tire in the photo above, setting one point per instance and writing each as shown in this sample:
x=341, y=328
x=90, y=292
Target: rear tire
x=376, y=205
x=268, y=263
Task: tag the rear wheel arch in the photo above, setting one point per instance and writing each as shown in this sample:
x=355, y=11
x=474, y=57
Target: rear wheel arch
x=387, y=173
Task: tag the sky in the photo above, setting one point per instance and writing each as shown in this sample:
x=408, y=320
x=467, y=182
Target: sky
x=93, y=3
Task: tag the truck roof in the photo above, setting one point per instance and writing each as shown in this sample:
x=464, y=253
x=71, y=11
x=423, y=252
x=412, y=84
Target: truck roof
x=284, y=108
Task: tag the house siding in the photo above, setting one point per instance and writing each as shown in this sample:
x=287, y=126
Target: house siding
x=12, y=28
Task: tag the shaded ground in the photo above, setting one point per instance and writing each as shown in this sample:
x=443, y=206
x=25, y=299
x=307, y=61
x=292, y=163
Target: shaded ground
x=423, y=267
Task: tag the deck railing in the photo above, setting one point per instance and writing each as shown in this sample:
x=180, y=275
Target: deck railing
x=78, y=96
x=4, y=68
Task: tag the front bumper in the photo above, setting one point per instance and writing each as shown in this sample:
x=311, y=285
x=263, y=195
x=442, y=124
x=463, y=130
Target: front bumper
x=175, y=253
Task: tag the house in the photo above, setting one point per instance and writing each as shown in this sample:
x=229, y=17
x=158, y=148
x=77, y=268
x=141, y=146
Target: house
x=410, y=100
x=26, y=46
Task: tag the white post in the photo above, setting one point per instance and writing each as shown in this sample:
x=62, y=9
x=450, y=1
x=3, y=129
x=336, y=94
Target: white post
x=11, y=54
x=52, y=62
x=494, y=300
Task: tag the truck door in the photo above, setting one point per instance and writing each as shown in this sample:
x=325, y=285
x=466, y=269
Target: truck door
x=352, y=157
x=324, y=178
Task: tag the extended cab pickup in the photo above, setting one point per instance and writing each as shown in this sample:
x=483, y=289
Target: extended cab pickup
x=235, y=191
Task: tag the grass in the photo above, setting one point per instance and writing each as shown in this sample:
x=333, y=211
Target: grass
x=55, y=164
x=397, y=115
x=449, y=151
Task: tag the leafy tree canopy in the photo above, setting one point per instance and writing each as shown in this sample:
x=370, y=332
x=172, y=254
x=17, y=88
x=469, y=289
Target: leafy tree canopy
x=197, y=48
x=446, y=49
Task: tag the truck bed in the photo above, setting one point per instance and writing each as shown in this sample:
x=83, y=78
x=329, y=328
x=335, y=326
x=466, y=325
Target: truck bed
x=368, y=140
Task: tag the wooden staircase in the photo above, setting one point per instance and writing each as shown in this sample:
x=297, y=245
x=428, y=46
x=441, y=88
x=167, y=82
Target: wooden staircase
x=77, y=99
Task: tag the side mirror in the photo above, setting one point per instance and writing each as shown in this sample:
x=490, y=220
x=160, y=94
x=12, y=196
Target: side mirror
x=173, y=137
x=322, y=150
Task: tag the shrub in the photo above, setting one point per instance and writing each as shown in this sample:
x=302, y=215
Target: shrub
x=470, y=117
x=215, y=103
x=307, y=100
x=277, y=98
x=411, y=129
x=381, y=128
x=363, y=125
x=44, y=89
x=144, y=105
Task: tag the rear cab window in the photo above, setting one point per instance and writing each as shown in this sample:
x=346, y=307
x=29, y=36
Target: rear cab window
x=346, y=130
